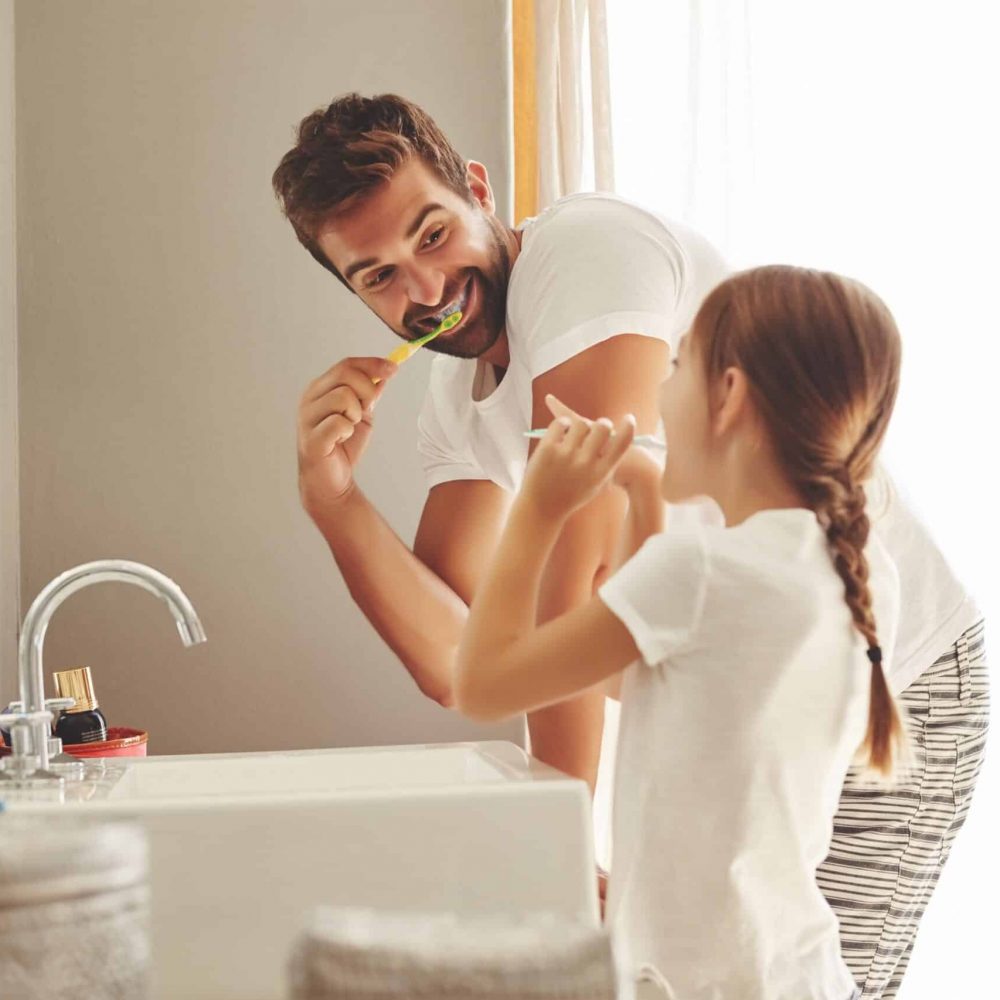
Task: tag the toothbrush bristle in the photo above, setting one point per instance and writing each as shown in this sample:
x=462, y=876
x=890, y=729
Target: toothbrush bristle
x=404, y=351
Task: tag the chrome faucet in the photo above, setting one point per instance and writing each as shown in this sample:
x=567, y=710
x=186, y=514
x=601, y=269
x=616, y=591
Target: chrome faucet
x=30, y=726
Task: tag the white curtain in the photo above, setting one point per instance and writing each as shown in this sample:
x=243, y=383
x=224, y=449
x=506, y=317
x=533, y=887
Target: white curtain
x=860, y=137
x=573, y=99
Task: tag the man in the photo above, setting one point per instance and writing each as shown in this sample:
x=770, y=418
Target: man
x=584, y=302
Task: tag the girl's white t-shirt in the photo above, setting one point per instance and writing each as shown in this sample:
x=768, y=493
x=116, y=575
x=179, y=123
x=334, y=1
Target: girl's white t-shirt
x=737, y=730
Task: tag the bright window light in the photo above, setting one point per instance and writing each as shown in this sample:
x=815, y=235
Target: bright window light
x=861, y=137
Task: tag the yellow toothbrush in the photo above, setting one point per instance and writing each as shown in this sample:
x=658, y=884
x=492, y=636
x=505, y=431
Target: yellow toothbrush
x=405, y=351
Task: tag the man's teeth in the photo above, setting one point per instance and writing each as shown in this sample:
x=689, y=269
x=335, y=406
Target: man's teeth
x=453, y=306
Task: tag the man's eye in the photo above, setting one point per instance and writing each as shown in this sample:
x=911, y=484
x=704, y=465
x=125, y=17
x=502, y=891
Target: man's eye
x=434, y=237
x=378, y=278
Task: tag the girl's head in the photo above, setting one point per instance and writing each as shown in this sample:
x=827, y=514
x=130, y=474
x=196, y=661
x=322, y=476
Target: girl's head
x=793, y=371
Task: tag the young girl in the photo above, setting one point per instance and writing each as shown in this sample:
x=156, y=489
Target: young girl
x=756, y=648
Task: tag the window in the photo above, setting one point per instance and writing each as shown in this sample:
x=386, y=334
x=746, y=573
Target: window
x=859, y=137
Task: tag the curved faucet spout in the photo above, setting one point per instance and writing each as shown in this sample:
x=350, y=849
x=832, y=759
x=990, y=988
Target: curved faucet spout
x=30, y=670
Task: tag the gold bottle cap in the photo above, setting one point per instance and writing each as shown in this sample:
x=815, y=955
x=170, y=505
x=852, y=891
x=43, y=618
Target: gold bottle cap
x=76, y=683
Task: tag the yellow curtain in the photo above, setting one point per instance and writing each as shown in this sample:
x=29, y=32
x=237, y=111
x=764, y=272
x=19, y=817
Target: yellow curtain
x=525, y=111
x=557, y=46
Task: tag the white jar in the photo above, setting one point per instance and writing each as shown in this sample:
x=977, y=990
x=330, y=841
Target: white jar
x=74, y=909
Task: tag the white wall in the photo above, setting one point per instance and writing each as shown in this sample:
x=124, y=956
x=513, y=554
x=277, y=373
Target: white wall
x=169, y=322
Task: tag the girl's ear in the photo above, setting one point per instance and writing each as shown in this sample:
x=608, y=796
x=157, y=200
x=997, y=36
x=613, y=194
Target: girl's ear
x=731, y=401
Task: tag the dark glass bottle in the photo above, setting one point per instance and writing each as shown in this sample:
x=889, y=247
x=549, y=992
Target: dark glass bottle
x=84, y=722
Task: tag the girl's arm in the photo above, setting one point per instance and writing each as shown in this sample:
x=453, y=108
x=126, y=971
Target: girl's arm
x=506, y=664
x=639, y=475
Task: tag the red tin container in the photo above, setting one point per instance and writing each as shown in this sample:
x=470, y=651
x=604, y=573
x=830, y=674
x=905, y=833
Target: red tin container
x=121, y=742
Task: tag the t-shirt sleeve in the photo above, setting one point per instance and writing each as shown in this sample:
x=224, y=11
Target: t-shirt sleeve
x=445, y=459
x=884, y=587
x=595, y=269
x=659, y=594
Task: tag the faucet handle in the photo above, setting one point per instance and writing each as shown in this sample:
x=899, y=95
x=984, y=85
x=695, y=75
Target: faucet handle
x=54, y=743
x=22, y=761
x=55, y=704
x=59, y=704
x=19, y=719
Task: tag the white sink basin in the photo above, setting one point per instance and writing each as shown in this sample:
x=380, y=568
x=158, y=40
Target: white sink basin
x=243, y=846
x=314, y=772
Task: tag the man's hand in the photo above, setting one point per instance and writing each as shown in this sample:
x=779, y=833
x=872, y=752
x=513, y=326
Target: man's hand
x=640, y=476
x=334, y=424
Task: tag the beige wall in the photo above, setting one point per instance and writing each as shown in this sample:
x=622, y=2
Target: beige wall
x=168, y=324
x=9, y=544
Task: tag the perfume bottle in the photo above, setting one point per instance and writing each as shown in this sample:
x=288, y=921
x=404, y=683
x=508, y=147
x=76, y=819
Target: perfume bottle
x=84, y=722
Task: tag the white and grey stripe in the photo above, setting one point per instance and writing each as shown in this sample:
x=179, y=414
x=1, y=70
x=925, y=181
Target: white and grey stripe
x=889, y=846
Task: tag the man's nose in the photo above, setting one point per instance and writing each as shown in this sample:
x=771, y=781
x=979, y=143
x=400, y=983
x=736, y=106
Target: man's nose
x=424, y=287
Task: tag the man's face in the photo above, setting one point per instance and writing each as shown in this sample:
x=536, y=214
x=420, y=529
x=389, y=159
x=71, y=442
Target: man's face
x=414, y=246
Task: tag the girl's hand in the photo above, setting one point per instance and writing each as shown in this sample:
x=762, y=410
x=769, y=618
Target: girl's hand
x=638, y=471
x=574, y=462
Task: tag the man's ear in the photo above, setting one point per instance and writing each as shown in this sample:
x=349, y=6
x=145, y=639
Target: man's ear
x=479, y=184
x=731, y=404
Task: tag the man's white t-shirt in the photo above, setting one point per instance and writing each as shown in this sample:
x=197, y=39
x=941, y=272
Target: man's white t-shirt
x=738, y=727
x=593, y=266
x=936, y=608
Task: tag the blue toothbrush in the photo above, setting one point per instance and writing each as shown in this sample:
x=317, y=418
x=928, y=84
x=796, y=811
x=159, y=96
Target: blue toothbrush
x=643, y=440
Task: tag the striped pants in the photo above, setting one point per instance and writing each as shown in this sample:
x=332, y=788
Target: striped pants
x=889, y=847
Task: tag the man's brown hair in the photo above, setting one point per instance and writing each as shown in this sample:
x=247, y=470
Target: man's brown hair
x=344, y=151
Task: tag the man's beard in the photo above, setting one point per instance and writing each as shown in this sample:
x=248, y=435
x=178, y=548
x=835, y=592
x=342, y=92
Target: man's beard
x=476, y=339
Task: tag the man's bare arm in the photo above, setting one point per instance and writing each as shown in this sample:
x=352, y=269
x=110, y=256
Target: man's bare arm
x=618, y=376
x=417, y=601
x=418, y=605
